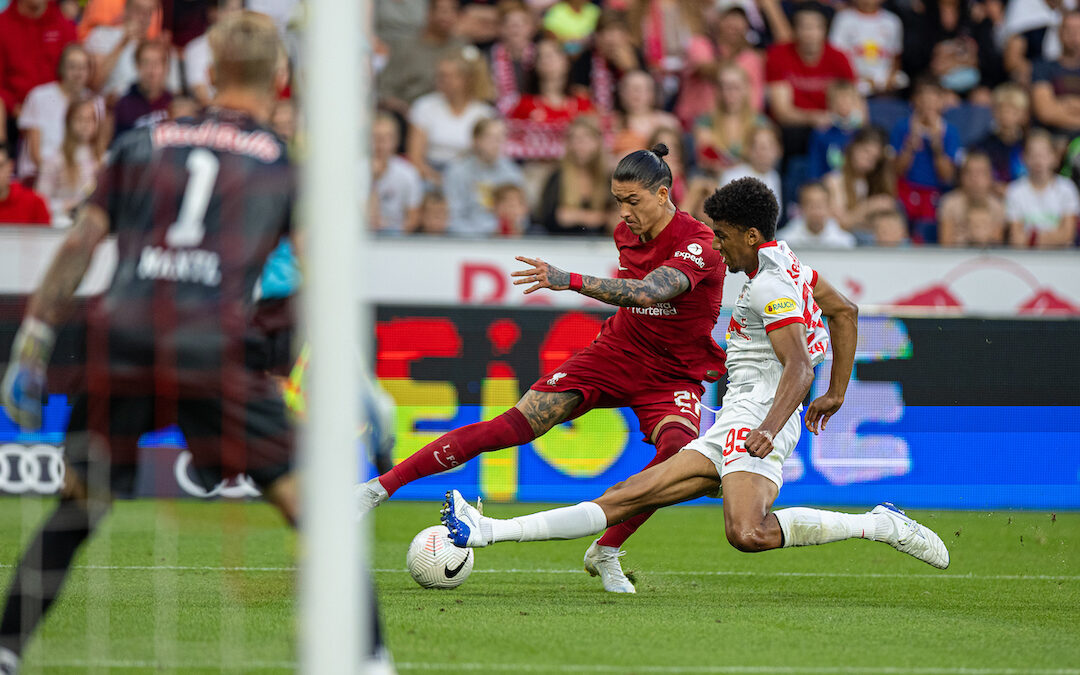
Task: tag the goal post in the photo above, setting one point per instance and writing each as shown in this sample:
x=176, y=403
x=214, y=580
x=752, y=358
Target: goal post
x=334, y=620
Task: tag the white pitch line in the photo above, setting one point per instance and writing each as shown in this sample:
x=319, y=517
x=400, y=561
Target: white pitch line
x=585, y=668
x=672, y=573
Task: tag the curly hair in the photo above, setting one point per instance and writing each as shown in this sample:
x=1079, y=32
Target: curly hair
x=745, y=203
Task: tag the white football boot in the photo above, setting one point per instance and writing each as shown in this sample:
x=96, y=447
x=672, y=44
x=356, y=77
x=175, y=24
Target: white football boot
x=912, y=538
x=368, y=496
x=604, y=561
x=9, y=662
x=463, y=520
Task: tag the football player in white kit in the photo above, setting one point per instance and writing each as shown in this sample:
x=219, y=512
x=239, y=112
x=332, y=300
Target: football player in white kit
x=775, y=338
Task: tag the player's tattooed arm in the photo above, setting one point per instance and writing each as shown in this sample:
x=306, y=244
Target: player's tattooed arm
x=52, y=301
x=661, y=284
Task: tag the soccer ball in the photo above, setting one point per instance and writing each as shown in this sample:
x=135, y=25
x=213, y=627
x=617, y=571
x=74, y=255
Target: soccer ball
x=434, y=561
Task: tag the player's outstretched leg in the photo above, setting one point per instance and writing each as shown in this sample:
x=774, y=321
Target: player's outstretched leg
x=885, y=523
x=41, y=574
x=602, y=557
x=685, y=476
x=533, y=416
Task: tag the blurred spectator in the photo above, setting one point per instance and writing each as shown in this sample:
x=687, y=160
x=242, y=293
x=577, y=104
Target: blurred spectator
x=538, y=122
x=147, y=101
x=441, y=123
x=184, y=106
x=285, y=121
x=67, y=178
x=733, y=48
x=927, y=149
x=763, y=152
x=70, y=9
x=400, y=20
x=434, y=214
x=767, y=20
x=572, y=22
x=983, y=227
x=511, y=210
x=110, y=13
x=596, y=71
x=640, y=118
x=33, y=34
x=815, y=227
x=512, y=57
x=799, y=74
x=184, y=20
x=41, y=122
x=1005, y=143
x=478, y=22
x=1042, y=206
x=719, y=137
x=1055, y=89
x=19, y=205
x=396, y=183
x=976, y=188
x=946, y=41
x=1030, y=33
x=113, y=50
x=469, y=182
x=408, y=74
x=889, y=228
x=864, y=183
x=873, y=39
x=676, y=159
x=577, y=197
x=671, y=32
x=198, y=58
x=848, y=110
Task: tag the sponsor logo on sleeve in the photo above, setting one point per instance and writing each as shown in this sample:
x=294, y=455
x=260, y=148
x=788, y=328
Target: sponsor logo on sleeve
x=694, y=248
x=691, y=254
x=781, y=306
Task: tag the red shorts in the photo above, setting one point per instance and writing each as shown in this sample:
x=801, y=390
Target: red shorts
x=610, y=378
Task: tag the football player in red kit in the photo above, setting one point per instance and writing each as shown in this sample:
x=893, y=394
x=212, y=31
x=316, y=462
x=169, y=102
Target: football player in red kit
x=651, y=356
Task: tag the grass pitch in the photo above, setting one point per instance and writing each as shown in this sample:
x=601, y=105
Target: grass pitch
x=185, y=587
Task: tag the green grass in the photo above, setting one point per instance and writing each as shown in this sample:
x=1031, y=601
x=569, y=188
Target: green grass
x=1009, y=603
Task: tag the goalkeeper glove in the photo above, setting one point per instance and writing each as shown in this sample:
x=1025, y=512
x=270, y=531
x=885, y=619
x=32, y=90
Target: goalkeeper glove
x=23, y=387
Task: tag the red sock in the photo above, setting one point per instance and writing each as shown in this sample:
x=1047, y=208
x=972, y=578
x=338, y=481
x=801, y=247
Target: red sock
x=669, y=441
x=459, y=446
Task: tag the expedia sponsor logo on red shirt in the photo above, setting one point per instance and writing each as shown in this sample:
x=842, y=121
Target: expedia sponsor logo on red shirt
x=659, y=309
x=689, y=255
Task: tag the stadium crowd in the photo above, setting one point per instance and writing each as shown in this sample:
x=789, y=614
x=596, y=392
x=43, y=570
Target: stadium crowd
x=875, y=122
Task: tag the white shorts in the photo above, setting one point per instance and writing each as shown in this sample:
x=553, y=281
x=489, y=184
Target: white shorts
x=724, y=442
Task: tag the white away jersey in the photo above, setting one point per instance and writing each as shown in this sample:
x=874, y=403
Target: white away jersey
x=780, y=293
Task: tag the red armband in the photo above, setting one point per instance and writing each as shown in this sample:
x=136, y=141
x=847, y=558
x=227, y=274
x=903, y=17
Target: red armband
x=576, y=282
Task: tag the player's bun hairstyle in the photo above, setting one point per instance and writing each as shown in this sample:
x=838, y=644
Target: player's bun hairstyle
x=646, y=167
x=247, y=51
x=745, y=203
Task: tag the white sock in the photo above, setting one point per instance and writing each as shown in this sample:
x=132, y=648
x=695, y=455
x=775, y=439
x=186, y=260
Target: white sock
x=807, y=527
x=569, y=522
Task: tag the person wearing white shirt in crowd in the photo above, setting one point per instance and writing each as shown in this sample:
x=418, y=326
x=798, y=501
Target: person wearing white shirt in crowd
x=814, y=227
x=397, y=184
x=441, y=123
x=42, y=118
x=763, y=152
x=198, y=58
x=1042, y=206
x=872, y=38
x=67, y=177
x=113, y=49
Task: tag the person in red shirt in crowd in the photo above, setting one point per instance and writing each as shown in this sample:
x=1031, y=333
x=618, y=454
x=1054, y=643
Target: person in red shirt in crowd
x=33, y=33
x=798, y=75
x=538, y=122
x=652, y=355
x=18, y=205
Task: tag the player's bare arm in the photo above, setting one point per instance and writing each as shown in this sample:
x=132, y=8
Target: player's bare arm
x=843, y=316
x=52, y=301
x=789, y=343
x=663, y=283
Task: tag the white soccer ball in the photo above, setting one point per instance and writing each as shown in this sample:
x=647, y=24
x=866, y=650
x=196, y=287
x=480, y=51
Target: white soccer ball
x=434, y=561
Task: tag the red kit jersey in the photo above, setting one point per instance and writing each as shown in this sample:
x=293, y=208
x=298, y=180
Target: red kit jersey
x=673, y=338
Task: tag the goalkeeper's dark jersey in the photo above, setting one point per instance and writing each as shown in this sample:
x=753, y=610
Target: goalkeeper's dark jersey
x=196, y=206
